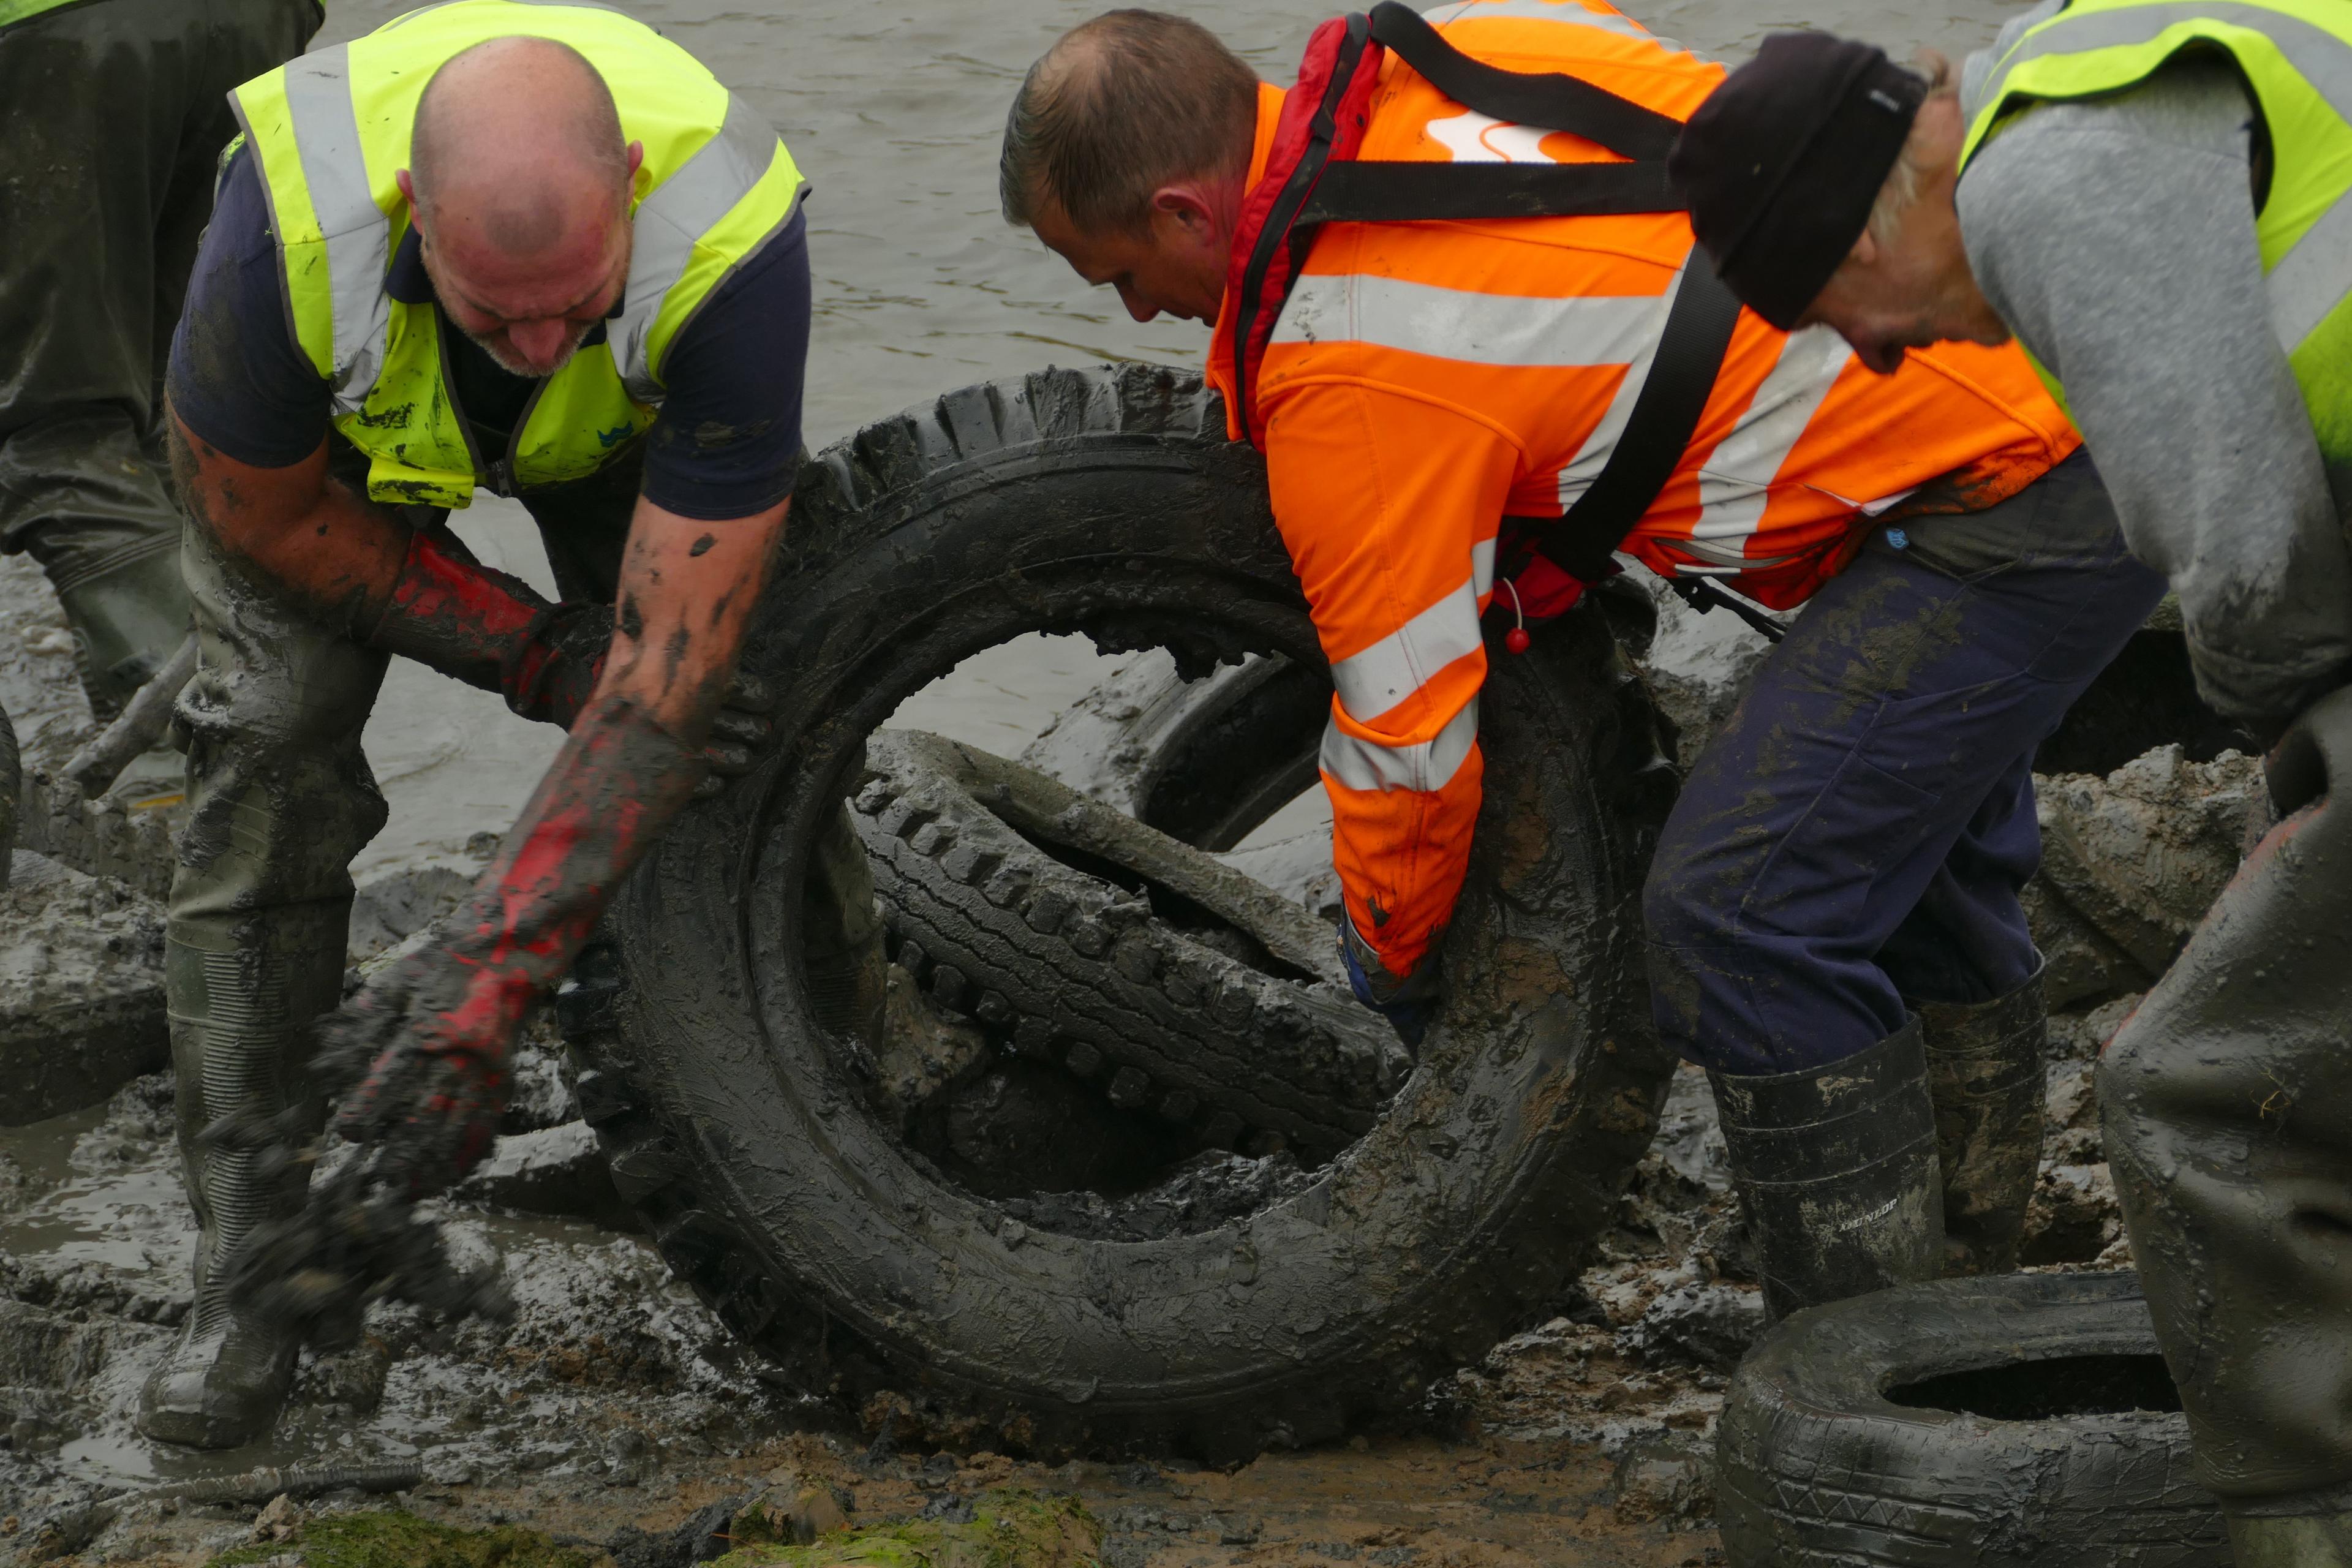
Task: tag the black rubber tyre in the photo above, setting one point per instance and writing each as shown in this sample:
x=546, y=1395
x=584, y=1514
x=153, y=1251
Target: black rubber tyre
x=2024, y=1420
x=1238, y=756
x=1190, y=991
x=1109, y=501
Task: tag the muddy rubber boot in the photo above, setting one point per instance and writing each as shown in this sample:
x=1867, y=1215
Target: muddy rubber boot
x=1985, y=1077
x=1836, y=1168
x=2306, y=1540
x=128, y=611
x=240, y=1036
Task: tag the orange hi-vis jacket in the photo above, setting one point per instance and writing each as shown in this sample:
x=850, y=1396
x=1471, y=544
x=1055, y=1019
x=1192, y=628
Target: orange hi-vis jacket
x=1426, y=379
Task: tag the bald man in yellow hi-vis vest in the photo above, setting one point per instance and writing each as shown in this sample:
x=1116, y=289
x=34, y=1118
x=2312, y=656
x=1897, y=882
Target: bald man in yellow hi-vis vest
x=532, y=247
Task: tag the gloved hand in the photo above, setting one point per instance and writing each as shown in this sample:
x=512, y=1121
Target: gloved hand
x=420, y=1055
x=552, y=670
x=422, y=1051
x=1407, y=1003
x=420, y=1059
x=493, y=631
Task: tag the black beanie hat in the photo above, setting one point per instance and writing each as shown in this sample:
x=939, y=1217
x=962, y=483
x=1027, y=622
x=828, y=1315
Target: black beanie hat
x=1783, y=163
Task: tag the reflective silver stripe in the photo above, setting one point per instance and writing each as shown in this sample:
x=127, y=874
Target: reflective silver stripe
x=1474, y=328
x=2314, y=275
x=1431, y=765
x=682, y=210
x=1593, y=456
x=2323, y=58
x=358, y=235
x=1735, y=480
x=1374, y=680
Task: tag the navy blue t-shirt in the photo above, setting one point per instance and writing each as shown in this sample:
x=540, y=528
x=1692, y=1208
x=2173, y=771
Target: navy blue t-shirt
x=725, y=444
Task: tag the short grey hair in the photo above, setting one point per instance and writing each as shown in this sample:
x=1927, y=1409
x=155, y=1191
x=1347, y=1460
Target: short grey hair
x=1119, y=106
x=1902, y=187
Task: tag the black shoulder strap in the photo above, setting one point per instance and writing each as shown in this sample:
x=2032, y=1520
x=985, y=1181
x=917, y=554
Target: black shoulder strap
x=1402, y=193
x=1665, y=412
x=1699, y=321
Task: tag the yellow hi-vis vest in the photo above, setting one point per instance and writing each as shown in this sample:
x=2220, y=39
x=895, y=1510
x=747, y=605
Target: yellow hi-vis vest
x=331, y=130
x=2296, y=58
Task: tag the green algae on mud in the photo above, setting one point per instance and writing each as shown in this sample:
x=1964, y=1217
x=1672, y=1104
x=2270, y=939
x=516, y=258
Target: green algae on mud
x=392, y=1538
x=1012, y=1528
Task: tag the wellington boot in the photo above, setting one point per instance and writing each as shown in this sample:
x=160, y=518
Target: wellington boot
x=241, y=1017
x=1836, y=1168
x=1985, y=1075
x=2306, y=1540
x=129, y=613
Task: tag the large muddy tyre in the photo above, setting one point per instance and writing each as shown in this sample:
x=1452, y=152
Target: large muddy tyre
x=1132, y=959
x=1202, y=760
x=1108, y=503
x=2020, y=1422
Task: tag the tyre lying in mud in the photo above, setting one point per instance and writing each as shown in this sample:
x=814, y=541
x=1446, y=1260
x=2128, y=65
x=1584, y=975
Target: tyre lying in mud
x=1126, y=956
x=1991, y=1423
x=1211, y=1301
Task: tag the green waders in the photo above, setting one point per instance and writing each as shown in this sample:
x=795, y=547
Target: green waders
x=281, y=801
x=114, y=114
x=2227, y=1099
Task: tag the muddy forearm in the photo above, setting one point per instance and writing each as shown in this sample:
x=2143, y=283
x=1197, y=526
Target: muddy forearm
x=313, y=542
x=686, y=591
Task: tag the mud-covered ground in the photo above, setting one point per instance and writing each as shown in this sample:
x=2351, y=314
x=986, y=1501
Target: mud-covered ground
x=616, y=1417
x=616, y=1410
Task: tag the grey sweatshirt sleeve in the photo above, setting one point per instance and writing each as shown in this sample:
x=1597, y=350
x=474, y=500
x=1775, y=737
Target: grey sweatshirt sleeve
x=2116, y=238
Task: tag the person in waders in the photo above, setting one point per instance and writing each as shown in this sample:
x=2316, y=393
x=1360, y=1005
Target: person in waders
x=113, y=116
x=535, y=247
x=1457, y=306
x=2156, y=200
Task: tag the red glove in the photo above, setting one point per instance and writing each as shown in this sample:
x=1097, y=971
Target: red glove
x=491, y=630
x=420, y=1053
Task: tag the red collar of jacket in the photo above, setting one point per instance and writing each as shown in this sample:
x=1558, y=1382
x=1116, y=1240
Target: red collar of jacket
x=1322, y=118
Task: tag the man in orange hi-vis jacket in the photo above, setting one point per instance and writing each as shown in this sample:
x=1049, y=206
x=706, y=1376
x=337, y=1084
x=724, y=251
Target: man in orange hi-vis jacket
x=1438, y=387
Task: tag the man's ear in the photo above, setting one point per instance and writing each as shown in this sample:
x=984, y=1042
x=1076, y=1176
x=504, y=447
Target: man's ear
x=407, y=187
x=1187, y=206
x=1865, y=249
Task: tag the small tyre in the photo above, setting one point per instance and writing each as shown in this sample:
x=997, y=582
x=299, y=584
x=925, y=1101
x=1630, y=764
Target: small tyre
x=1178, y=985
x=1109, y=502
x=2020, y=1422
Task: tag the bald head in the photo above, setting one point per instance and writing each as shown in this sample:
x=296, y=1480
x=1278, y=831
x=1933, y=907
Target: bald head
x=519, y=181
x=519, y=139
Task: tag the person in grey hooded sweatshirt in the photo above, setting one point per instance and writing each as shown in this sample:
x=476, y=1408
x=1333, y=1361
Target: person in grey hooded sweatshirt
x=2151, y=197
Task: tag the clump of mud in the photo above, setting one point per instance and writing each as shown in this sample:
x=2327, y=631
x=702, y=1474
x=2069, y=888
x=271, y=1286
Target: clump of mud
x=81, y=989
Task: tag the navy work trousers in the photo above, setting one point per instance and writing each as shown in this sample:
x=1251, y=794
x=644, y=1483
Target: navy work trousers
x=1858, y=832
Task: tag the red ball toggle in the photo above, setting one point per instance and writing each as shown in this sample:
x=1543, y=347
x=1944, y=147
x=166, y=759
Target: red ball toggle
x=1516, y=639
